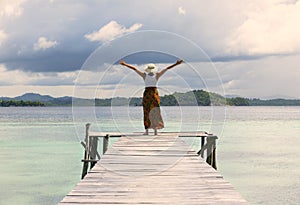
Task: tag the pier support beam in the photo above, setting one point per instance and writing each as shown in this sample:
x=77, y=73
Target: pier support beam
x=87, y=151
x=91, y=154
x=105, y=143
x=210, y=148
x=211, y=151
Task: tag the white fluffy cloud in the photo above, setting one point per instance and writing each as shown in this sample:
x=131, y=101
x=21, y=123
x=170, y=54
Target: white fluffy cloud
x=270, y=27
x=19, y=77
x=270, y=77
x=3, y=36
x=43, y=43
x=181, y=10
x=10, y=8
x=110, y=31
x=23, y=78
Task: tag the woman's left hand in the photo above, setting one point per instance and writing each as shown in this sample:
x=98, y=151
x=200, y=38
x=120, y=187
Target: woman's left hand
x=179, y=61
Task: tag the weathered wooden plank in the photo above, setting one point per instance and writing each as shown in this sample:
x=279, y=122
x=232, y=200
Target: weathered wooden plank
x=152, y=170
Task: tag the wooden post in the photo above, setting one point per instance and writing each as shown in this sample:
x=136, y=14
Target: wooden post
x=87, y=141
x=87, y=151
x=202, y=144
x=105, y=143
x=214, y=163
x=211, y=151
x=93, y=153
x=208, y=151
x=203, y=147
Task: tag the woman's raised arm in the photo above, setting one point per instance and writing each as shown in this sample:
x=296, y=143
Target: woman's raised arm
x=138, y=71
x=160, y=73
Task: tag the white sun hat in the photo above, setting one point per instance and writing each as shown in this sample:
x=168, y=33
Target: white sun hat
x=151, y=68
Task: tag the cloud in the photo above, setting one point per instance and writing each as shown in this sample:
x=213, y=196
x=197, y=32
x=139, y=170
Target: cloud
x=235, y=34
x=6, y=76
x=74, y=22
x=110, y=31
x=269, y=28
x=10, y=8
x=3, y=36
x=267, y=77
x=43, y=43
x=181, y=10
x=35, y=79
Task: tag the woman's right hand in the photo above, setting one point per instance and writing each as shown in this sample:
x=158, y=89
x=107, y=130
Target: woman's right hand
x=122, y=62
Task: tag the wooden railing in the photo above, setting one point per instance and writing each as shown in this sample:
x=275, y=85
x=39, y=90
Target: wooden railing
x=91, y=154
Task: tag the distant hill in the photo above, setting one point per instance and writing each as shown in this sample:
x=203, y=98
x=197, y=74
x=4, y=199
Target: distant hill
x=45, y=99
x=191, y=98
x=34, y=97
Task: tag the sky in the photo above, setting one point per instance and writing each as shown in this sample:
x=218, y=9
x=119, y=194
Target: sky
x=71, y=47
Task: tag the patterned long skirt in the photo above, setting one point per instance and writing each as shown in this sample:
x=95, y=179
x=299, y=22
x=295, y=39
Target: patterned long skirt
x=151, y=108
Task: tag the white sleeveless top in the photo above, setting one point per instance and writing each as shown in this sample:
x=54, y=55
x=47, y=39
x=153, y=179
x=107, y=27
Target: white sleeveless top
x=150, y=80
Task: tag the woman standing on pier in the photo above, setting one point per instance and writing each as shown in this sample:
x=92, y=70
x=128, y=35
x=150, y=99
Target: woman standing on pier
x=151, y=100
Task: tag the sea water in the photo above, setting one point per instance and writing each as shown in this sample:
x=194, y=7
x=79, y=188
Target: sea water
x=257, y=151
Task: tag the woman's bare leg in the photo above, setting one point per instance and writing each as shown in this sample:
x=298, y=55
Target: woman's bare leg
x=146, y=132
x=155, y=131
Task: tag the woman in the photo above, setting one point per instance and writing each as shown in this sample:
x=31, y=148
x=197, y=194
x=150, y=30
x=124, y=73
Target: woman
x=151, y=100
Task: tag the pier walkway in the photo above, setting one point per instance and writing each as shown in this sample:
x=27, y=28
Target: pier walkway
x=159, y=169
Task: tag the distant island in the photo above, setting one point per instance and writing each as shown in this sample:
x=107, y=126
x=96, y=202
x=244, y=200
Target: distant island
x=191, y=98
x=20, y=103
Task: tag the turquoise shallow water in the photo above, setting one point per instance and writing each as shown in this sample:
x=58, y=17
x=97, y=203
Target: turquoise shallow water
x=257, y=149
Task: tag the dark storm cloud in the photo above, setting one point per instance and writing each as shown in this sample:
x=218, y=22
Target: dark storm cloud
x=54, y=61
x=68, y=22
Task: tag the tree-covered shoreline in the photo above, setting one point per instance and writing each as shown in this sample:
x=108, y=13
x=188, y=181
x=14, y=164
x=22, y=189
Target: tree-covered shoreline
x=198, y=98
x=191, y=98
x=20, y=103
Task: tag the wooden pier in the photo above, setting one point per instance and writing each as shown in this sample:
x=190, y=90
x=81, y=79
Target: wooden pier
x=159, y=169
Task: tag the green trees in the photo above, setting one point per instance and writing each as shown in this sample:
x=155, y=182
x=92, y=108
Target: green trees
x=202, y=97
x=168, y=100
x=19, y=103
x=191, y=98
x=237, y=101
